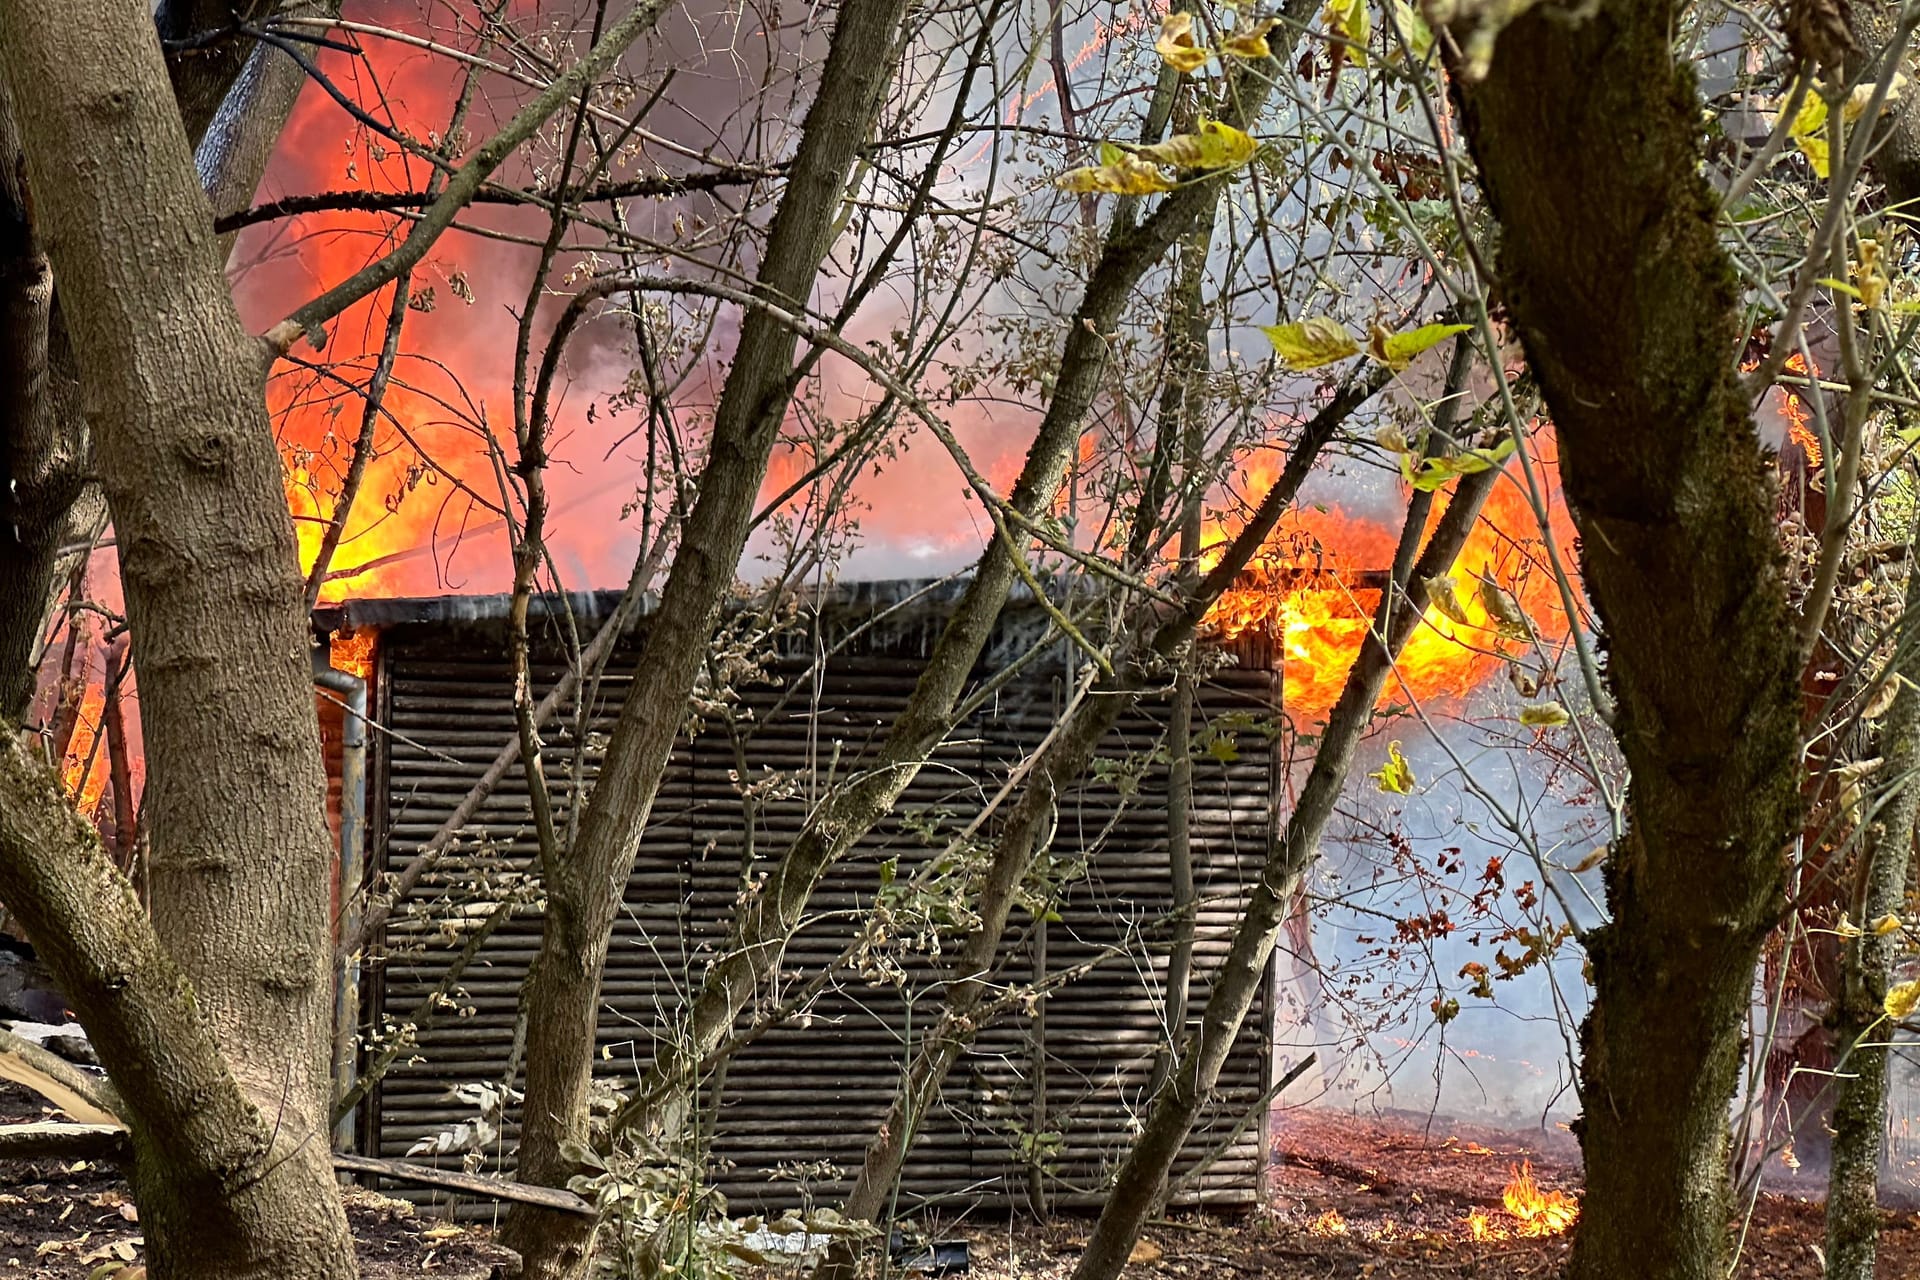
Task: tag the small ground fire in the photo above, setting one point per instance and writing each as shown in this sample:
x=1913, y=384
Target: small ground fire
x=1531, y=1211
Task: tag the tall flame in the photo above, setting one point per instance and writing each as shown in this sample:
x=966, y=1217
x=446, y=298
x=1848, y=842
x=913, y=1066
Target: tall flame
x=1313, y=592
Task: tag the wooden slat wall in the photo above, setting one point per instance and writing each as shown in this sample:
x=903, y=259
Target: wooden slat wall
x=814, y=1091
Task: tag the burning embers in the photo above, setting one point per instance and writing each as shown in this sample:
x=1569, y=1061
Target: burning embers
x=1530, y=1211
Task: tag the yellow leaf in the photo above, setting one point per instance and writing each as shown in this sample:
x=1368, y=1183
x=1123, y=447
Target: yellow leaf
x=1870, y=276
x=1216, y=146
x=1901, y=1000
x=1856, y=104
x=1544, y=715
x=1396, y=775
x=1591, y=861
x=1250, y=42
x=1809, y=131
x=1397, y=350
x=443, y=1231
x=1348, y=19
x=1177, y=45
x=1434, y=472
x=1507, y=615
x=1848, y=929
x=1129, y=176
x=1886, y=924
x=1145, y=1253
x=1311, y=343
x=1443, y=594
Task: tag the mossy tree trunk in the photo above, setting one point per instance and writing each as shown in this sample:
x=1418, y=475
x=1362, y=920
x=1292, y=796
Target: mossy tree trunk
x=1628, y=311
x=1860, y=1031
x=214, y=1019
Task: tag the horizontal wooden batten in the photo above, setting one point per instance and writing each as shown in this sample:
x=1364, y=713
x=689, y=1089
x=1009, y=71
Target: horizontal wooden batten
x=812, y=1091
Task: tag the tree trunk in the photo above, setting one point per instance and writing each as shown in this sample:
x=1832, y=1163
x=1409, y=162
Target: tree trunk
x=1860, y=1097
x=1064, y=758
x=41, y=447
x=241, y=857
x=50, y=501
x=585, y=888
x=1859, y=1030
x=769, y=918
x=1627, y=309
x=1236, y=984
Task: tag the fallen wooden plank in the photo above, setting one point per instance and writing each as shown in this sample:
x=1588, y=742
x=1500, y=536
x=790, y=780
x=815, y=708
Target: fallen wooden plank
x=88, y=1099
x=57, y=1140
x=474, y=1184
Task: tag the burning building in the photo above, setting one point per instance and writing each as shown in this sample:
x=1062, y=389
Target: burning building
x=1049, y=1097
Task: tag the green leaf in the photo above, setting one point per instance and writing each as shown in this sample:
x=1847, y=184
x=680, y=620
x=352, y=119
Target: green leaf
x=1311, y=343
x=1111, y=154
x=1419, y=36
x=1397, y=350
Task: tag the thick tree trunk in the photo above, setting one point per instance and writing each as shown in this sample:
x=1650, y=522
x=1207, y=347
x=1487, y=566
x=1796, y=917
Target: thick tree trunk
x=237, y=140
x=49, y=499
x=1236, y=984
x=1860, y=1032
x=241, y=857
x=41, y=446
x=584, y=890
x=1627, y=309
x=205, y=55
x=1860, y=1096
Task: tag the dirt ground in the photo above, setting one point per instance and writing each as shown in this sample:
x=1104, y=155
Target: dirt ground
x=1382, y=1198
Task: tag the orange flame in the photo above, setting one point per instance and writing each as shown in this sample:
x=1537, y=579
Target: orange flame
x=1791, y=404
x=1531, y=1212
x=85, y=769
x=1793, y=407
x=1309, y=593
x=352, y=652
x=1328, y=1224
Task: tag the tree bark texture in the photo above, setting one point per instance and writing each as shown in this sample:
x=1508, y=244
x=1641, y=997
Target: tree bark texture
x=1236, y=983
x=49, y=499
x=1860, y=1032
x=1860, y=1096
x=1627, y=309
x=241, y=857
x=217, y=1196
x=42, y=445
x=585, y=888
